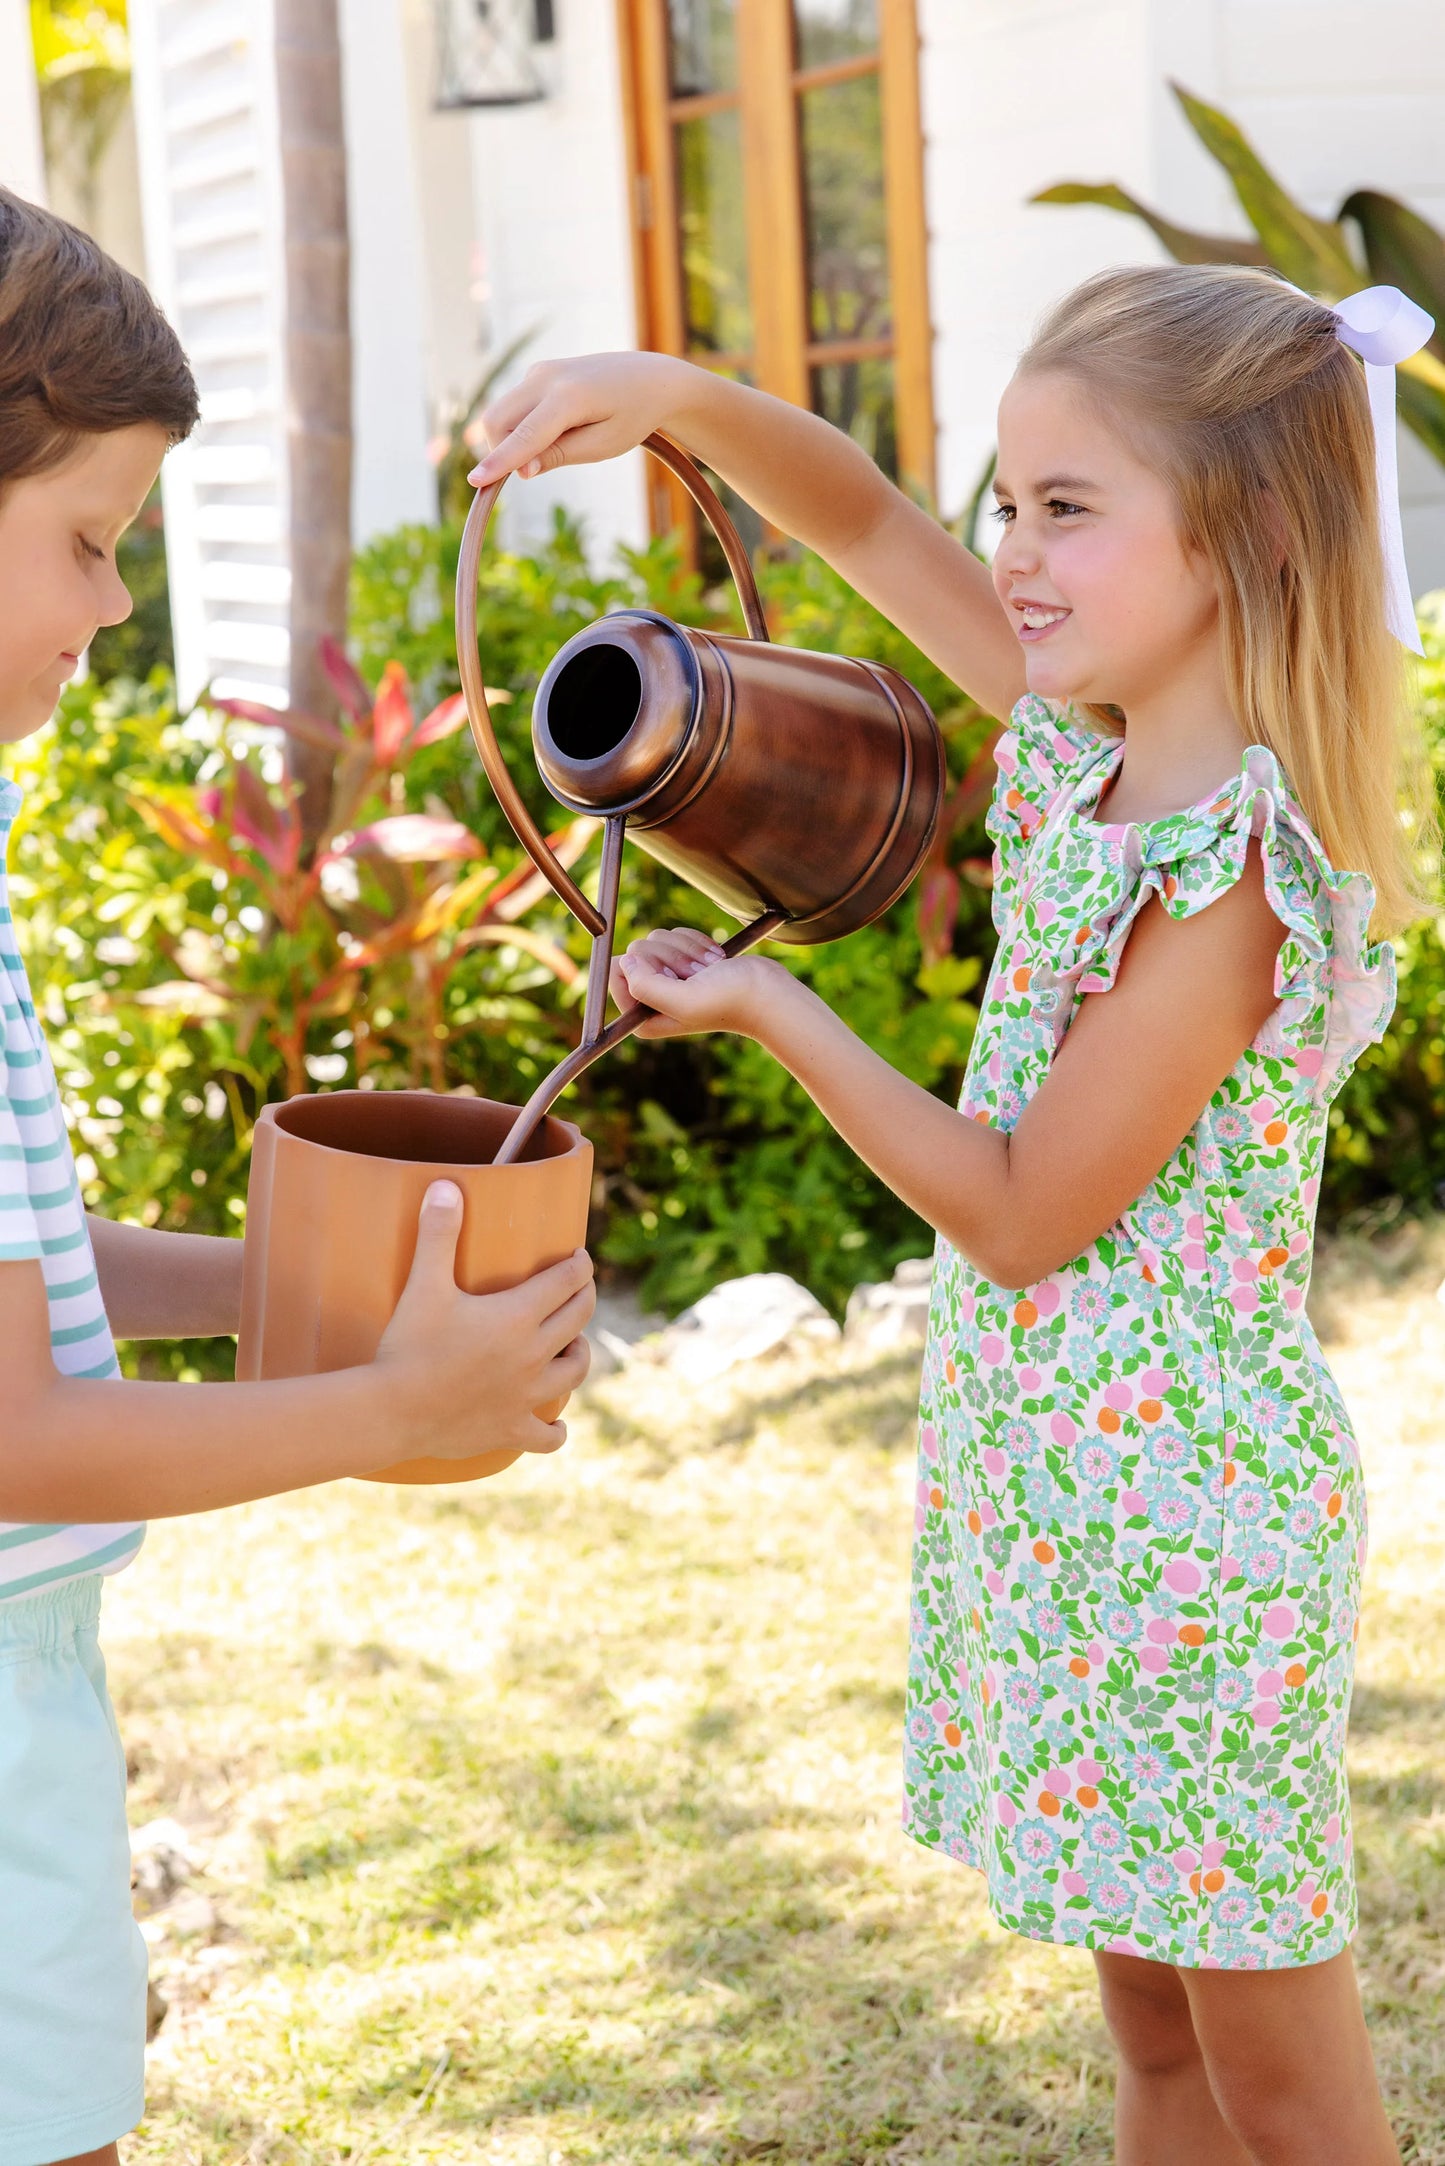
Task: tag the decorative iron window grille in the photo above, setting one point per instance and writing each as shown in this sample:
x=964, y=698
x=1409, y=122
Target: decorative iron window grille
x=487, y=51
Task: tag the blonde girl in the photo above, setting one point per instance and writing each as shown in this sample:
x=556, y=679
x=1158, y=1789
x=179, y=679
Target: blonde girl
x=1140, y=1524
x=93, y=388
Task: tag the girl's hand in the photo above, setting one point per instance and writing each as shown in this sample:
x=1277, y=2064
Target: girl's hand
x=572, y=413
x=695, y=987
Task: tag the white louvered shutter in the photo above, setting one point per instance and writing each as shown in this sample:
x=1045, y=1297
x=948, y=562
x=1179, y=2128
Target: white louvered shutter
x=205, y=100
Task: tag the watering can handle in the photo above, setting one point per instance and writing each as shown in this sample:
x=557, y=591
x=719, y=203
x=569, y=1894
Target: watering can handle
x=469, y=658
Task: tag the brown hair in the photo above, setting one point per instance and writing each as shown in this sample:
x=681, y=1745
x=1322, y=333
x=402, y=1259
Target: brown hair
x=1258, y=419
x=83, y=347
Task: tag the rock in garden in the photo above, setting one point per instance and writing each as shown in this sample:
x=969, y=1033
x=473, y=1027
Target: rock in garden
x=892, y=1314
x=161, y=1861
x=740, y=1320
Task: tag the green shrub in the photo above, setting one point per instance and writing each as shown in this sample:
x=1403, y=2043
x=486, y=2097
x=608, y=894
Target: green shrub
x=710, y=1160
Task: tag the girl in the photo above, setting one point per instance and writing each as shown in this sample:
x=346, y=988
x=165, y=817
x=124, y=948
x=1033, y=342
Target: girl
x=93, y=387
x=1140, y=1519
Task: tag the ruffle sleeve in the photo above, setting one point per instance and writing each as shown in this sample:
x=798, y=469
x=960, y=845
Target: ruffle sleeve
x=1044, y=751
x=1335, y=988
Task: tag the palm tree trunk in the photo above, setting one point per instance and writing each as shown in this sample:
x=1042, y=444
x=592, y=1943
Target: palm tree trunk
x=318, y=363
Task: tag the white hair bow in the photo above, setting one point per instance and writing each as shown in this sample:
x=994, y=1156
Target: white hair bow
x=1384, y=327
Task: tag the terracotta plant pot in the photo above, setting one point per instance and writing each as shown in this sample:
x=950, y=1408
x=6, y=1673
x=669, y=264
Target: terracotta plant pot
x=337, y=1181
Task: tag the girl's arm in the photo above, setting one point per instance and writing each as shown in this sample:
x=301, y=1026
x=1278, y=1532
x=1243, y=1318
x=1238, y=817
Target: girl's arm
x=166, y=1285
x=1135, y=1071
x=803, y=475
x=456, y=1374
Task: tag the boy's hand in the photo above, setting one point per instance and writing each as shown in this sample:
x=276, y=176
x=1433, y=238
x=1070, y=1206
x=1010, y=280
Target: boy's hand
x=571, y=413
x=467, y=1372
x=695, y=987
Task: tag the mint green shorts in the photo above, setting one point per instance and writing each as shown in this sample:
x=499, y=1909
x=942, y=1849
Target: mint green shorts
x=72, y=1960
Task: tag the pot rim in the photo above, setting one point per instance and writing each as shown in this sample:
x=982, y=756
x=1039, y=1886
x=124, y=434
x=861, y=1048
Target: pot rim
x=272, y=1113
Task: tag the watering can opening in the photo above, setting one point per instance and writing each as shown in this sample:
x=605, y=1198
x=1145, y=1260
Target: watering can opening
x=593, y=701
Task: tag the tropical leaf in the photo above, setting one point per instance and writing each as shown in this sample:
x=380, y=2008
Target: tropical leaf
x=308, y=729
x=391, y=717
x=1402, y=249
x=413, y=838
x=346, y=680
x=1183, y=244
x=524, y=887
x=1310, y=252
x=545, y=951
x=443, y=721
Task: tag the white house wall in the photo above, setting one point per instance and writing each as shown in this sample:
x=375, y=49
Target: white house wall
x=392, y=481
x=22, y=161
x=1018, y=94
x=552, y=220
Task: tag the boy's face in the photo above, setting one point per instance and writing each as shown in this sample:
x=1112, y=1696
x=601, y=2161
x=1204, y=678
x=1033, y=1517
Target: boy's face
x=58, y=581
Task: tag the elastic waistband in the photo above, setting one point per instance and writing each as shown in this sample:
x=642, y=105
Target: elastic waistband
x=35, y=1623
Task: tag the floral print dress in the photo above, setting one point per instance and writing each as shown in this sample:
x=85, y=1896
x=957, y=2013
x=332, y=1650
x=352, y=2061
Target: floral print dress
x=1140, y=1517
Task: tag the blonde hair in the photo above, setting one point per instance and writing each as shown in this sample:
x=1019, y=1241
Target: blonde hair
x=1258, y=419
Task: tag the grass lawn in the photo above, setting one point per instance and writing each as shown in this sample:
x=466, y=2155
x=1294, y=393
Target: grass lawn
x=556, y=1819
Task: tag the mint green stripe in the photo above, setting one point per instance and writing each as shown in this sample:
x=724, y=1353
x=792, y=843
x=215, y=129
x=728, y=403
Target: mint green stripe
x=15, y=1537
x=14, y=1203
x=19, y=1251
x=74, y=1333
x=51, y=1199
x=12, y=1151
x=36, y=1154
x=102, y=1369
x=28, y=1108
x=61, y=1244
x=67, y=1289
x=76, y=1569
x=14, y=1059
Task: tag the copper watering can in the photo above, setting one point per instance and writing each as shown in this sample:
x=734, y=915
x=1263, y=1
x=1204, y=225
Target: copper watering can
x=798, y=791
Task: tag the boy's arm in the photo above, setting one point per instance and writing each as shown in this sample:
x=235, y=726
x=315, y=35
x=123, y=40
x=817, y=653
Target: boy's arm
x=1136, y=1069
x=456, y=1374
x=166, y=1285
x=806, y=478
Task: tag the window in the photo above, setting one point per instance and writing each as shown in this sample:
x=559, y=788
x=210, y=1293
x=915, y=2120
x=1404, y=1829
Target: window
x=778, y=196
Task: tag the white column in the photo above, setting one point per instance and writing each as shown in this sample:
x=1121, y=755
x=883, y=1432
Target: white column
x=392, y=480
x=554, y=222
x=22, y=159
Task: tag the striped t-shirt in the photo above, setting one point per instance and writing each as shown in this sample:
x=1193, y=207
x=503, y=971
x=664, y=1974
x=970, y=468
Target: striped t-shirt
x=42, y=1216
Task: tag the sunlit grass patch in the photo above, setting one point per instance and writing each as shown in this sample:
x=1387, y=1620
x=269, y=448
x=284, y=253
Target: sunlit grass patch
x=557, y=1819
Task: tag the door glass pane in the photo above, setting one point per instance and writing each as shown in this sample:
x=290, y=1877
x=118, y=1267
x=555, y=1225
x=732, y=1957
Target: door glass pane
x=857, y=397
x=834, y=30
x=843, y=210
x=703, y=45
x=712, y=236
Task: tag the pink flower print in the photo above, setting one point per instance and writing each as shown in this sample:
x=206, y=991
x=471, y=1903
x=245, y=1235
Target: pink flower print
x=1332, y=1828
x=1154, y=1659
x=994, y=1461
x=928, y=1438
x=1266, y=1564
x=994, y=1582
x=1245, y=1300
x=966, y=1307
x=1230, y=1568
x=1020, y=1439
x=1089, y=1302
x=1323, y=1489
x=1279, y=1621
x=1236, y=1221
x=1186, y=1862
x=1007, y=1812
x=1230, y=1127
x=1266, y=1714
x=1193, y=1257
x=1063, y=1430
x=987, y=1514
x=1310, y=1059
x=1074, y=1884
x=1294, y=1298
x=1119, y=1396
x=1269, y=1685
x=1030, y=1379
x=1245, y=1269
x=1194, y=1226
x=1159, y=1877
x=1112, y=1896
x=1038, y=1844
x=1182, y=1576
x=1091, y=1771
x=942, y=1711
x=992, y=1349
x=1160, y=1630
x=1134, y=1501
x=1058, y=1781
x=1212, y=1855
x=1157, y=1382
x=1047, y=1296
